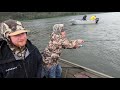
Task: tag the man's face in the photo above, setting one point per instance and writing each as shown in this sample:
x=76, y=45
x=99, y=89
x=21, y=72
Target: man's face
x=19, y=40
x=63, y=34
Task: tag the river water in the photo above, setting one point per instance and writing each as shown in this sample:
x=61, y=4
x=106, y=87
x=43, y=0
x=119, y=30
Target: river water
x=100, y=52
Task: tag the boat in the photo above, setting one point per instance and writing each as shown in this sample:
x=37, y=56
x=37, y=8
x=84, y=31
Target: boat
x=78, y=21
x=72, y=70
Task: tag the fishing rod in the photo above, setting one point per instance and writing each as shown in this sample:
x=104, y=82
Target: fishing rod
x=100, y=40
x=97, y=41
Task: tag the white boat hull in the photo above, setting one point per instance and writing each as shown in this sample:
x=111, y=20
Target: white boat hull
x=75, y=22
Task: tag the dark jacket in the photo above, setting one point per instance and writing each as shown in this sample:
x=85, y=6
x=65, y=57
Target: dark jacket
x=84, y=17
x=30, y=67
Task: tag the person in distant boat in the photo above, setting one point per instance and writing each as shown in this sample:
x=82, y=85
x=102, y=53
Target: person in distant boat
x=51, y=54
x=92, y=18
x=19, y=58
x=84, y=17
x=96, y=20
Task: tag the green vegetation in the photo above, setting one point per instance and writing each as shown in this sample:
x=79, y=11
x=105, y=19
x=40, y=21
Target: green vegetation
x=36, y=15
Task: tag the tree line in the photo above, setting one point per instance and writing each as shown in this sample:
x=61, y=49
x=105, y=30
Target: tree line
x=36, y=15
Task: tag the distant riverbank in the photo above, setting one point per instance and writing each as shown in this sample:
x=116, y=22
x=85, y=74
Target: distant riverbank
x=37, y=15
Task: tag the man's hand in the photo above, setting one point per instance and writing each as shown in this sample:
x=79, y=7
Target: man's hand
x=78, y=43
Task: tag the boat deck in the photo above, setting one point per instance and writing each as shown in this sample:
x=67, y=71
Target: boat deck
x=71, y=70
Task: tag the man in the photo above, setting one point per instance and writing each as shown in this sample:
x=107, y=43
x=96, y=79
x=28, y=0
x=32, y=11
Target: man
x=19, y=58
x=51, y=54
x=92, y=18
x=84, y=17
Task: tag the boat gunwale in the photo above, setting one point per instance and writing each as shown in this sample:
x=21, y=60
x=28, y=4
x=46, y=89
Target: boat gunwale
x=102, y=75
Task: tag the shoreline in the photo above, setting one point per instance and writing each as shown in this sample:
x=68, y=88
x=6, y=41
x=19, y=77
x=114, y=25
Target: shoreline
x=38, y=15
